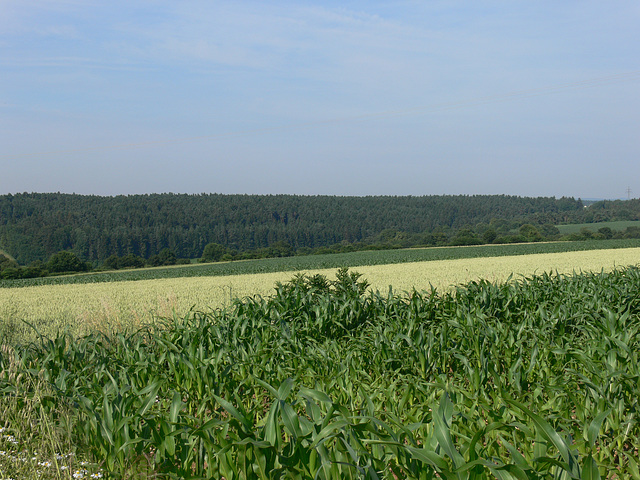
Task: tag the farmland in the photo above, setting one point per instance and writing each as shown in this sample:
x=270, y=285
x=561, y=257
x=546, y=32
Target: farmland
x=104, y=306
x=512, y=366
x=329, y=261
x=533, y=378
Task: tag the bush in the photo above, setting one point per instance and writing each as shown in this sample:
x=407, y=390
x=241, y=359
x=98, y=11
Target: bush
x=530, y=233
x=6, y=263
x=22, y=272
x=606, y=232
x=550, y=231
x=489, y=235
x=63, y=262
x=632, y=232
x=131, y=261
x=112, y=262
x=466, y=236
x=10, y=273
x=165, y=257
x=213, y=252
x=510, y=239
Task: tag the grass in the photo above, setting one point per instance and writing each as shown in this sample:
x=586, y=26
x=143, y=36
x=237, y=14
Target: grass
x=534, y=378
x=35, y=441
x=619, y=226
x=329, y=261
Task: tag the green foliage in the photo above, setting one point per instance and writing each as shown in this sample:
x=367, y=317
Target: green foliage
x=131, y=261
x=164, y=258
x=35, y=226
x=489, y=235
x=22, y=273
x=549, y=231
x=128, y=261
x=532, y=379
x=619, y=226
x=64, y=262
x=632, y=232
x=112, y=262
x=301, y=303
x=10, y=270
x=606, y=232
x=530, y=233
x=213, y=252
x=279, y=249
x=35, y=440
x=314, y=262
x=6, y=262
x=466, y=236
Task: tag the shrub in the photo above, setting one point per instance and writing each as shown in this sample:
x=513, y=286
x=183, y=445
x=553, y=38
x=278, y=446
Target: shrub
x=65, y=261
x=165, y=257
x=213, y=252
x=6, y=262
x=131, y=261
x=112, y=262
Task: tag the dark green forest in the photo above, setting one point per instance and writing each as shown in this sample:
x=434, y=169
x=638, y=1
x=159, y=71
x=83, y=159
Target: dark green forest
x=34, y=226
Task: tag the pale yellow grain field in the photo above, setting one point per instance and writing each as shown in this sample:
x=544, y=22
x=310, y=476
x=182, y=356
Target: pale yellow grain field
x=106, y=306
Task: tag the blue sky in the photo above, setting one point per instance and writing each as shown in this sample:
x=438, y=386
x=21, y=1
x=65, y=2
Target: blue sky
x=532, y=98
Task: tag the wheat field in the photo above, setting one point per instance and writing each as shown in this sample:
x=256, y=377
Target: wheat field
x=114, y=305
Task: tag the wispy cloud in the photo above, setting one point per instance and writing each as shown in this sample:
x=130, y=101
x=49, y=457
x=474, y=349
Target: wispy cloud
x=41, y=17
x=117, y=72
x=65, y=31
x=265, y=34
x=75, y=63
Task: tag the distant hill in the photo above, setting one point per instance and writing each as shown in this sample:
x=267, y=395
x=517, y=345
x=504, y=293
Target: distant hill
x=589, y=201
x=33, y=226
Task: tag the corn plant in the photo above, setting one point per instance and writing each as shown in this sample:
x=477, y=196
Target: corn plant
x=534, y=378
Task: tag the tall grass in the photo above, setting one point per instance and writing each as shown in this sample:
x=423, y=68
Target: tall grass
x=536, y=378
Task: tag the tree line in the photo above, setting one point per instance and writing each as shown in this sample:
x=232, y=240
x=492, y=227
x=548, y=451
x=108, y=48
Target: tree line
x=35, y=226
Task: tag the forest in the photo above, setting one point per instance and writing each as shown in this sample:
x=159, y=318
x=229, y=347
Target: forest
x=34, y=226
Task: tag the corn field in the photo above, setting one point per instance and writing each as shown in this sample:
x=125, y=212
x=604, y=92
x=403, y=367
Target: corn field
x=83, y=308
x=533, y=378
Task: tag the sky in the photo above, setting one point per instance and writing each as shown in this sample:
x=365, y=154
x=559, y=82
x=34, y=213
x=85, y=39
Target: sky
x=528, y=98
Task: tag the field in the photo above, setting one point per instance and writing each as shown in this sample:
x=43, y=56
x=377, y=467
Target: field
x=331, y=261
x=535, y=379
x=104, y=306
x=593, y=227
x=531, y=374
